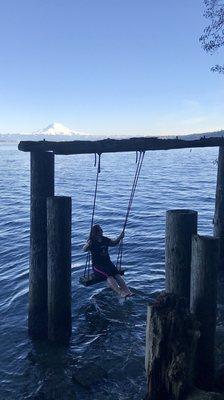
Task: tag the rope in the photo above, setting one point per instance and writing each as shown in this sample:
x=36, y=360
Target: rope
x=88, y=257
x=95, y=193
x=139, y=161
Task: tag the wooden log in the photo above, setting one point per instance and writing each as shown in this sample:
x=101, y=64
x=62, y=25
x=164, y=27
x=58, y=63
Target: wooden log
x=171, y=338
x=180, y=226
x=219, y=208
x=118, y=145
x=204, y=304
x=42, y=186
x=59, y=269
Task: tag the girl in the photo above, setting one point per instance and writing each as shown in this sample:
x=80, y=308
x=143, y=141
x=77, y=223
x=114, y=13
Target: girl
x=98, y=245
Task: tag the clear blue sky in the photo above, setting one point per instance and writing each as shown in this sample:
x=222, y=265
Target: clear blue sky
x=130, y=66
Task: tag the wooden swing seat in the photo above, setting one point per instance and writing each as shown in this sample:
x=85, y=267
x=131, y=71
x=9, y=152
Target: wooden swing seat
x=93, y=279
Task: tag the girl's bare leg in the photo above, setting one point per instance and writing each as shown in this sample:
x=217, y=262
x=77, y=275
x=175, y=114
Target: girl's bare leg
x=123, y=285
x=112, y=283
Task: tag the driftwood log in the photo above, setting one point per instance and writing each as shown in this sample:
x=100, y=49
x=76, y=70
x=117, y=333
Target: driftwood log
x=171, y=339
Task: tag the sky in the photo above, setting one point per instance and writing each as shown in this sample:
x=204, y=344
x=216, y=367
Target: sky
x=107, y=66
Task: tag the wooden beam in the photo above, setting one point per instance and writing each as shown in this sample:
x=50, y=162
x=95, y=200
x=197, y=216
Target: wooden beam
x=115, y=145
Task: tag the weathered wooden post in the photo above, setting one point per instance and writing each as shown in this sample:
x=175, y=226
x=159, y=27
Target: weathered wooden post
x=219, y=208
x=203, y=304
x=59, y=269
x=171, y=339
x=42, y=186
x=180, y=226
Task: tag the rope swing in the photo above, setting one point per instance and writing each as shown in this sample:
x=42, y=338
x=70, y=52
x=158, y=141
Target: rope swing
x=139, y=162
x=89, y=279
x=88, y=256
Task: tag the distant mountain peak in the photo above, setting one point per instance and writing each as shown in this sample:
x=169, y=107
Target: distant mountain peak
x=56, y=128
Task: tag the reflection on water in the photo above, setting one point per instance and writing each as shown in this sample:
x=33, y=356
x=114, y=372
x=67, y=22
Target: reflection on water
x=106, y=357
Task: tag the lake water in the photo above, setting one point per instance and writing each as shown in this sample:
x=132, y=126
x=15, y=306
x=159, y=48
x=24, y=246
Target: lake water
x=108, y=337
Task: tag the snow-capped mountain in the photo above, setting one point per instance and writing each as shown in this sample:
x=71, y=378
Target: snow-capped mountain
x=58, y=132
x=55, y=129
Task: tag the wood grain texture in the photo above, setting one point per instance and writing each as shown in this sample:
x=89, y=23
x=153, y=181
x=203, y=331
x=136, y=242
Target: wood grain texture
x=59, y=268
x=180, y=226
x=117, y=145
x=203, y=304
x=42, y=186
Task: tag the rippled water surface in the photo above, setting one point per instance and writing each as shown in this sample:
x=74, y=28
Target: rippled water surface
x=108, y=336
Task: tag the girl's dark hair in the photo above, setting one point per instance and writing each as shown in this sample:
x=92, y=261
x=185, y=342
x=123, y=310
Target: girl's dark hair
x=95, y=229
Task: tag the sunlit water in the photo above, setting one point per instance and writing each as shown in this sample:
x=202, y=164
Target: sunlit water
x=106, y=333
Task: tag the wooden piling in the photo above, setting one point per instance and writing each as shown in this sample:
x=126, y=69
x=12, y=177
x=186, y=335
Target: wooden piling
x=59, y=269
x=180, y=226
x=219, y=208
x=42, y=186
x=171, y=339
x=203, y=304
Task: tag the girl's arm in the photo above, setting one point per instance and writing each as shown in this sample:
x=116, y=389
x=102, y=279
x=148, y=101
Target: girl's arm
x=86, y=247
x=116, y=241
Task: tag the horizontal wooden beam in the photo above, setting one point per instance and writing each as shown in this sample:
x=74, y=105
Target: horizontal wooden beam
x=118, y=145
